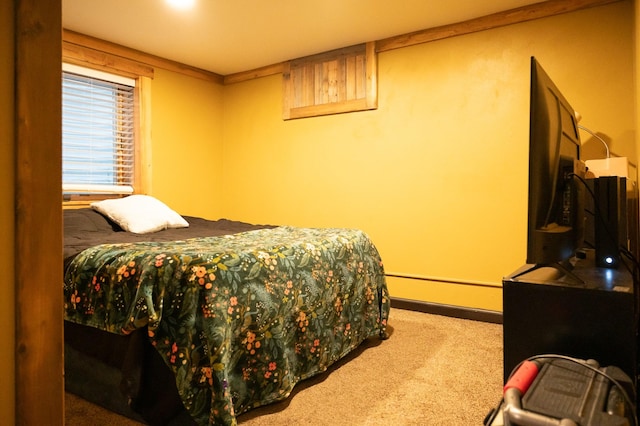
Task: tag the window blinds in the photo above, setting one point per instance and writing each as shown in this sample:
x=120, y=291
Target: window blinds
x=97, y=132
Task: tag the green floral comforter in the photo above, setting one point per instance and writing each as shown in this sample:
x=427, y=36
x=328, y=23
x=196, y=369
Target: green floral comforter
x=240, y=319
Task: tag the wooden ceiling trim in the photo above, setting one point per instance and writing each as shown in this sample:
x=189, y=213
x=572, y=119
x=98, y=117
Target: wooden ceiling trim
x=96, y=59
x=72, y=41
x=495, y=20
x=514, y=16
x=256, y=73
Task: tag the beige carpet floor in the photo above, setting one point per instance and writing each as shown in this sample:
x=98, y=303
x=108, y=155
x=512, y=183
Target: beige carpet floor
x=433, y=370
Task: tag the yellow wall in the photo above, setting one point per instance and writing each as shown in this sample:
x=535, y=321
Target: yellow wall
x=7, y=293
x=186, y=135
x=438, y=174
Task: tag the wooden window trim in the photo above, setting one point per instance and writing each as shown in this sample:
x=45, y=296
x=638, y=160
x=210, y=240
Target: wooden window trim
x=142, y=143
x=367, y=102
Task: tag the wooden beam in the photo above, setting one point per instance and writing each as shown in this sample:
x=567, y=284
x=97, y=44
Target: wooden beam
x=500, y=19
x=38, y=214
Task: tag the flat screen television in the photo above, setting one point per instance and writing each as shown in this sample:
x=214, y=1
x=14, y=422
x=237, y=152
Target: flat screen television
x=556, y=194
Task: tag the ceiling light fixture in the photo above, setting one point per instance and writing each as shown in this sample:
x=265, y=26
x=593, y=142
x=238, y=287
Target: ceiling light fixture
x=181, y=4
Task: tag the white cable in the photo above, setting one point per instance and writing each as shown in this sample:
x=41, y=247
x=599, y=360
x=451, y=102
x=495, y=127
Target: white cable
x=595, y=136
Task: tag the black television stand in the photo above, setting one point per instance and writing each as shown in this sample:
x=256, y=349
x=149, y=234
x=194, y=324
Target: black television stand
x=546, y=311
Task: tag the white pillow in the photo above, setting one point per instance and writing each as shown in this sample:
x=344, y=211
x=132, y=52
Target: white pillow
x=140, y=214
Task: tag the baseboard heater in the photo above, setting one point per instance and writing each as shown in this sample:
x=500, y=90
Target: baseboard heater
x=484, y=315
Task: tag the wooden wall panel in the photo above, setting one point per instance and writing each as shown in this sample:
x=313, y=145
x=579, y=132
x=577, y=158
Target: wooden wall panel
x=333, y=82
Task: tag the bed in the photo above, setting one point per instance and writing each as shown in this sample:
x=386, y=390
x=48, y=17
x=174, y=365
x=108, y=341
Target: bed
x=200, y=324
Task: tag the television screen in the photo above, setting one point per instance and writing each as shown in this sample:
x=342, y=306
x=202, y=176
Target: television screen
x=556, y=196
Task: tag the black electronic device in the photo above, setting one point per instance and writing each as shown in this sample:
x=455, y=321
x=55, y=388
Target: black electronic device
x=606, y=228
x=556, y=195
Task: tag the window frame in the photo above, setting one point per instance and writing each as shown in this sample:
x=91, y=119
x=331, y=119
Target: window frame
x=116, y=188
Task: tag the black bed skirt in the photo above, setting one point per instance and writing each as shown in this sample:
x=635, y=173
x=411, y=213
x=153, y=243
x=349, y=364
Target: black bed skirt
x=123, y=374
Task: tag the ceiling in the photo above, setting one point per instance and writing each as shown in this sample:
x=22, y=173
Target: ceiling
x=228, y=36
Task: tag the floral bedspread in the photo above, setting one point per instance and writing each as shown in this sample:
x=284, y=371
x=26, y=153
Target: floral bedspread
x=240, y=319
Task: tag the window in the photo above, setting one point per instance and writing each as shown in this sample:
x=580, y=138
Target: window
x=98, y=132
x=339, y=81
